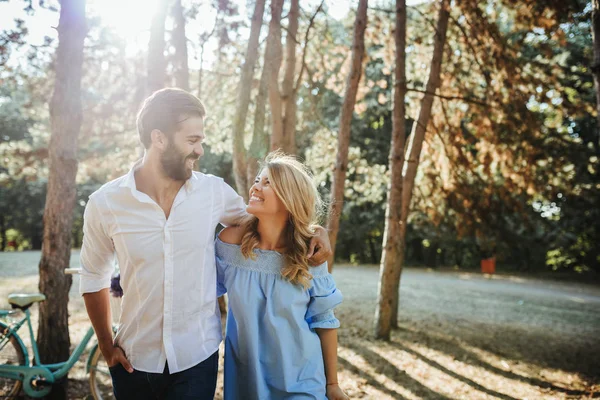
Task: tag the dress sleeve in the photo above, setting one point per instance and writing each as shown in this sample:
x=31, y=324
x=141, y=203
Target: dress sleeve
x=221, y=288
x=220, y=256
x=324, y=297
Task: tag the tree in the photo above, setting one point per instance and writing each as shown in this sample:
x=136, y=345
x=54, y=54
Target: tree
x=156, y=65
x=181, y=71
x=393, y=248
x=284, y=101
x=65, y=117
x=339, y=175
x=260, y=138
x=244, y=92
x=596, y=64
x=416, y=142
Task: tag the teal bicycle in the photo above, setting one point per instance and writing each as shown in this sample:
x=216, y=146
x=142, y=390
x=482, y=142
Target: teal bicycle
x=18, y=373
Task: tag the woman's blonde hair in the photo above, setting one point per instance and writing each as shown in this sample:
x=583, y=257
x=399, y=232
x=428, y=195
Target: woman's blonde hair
x=293, y=183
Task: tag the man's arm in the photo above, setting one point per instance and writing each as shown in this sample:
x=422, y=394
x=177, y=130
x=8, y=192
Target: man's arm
x=320, y=242
x=97, y=305
x=234, y=208
x=97, y=265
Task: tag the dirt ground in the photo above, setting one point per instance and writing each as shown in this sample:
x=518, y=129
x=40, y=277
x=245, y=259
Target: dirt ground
x=461, y=336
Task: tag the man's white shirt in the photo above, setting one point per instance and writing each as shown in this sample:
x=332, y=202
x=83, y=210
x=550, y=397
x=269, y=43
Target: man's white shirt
x=169, y=309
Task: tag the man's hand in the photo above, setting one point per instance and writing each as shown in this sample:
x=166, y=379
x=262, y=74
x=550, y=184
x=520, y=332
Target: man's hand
x=114, y=356
x=319, y=243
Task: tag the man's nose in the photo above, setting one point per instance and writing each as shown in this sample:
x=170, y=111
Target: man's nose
x=199, y=151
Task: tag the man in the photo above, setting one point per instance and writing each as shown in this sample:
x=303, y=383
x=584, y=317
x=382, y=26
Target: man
x=159, y=220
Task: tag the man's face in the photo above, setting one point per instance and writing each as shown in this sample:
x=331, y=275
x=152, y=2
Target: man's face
x=184, y=149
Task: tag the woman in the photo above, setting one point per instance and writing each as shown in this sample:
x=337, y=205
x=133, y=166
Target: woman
x=281, y=340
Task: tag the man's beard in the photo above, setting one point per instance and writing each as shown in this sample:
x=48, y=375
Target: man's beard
x=175, y=164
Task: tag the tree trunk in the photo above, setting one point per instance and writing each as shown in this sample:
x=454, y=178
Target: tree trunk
x=416, y=138
x=596, y=64
x=277, y=140
x=182, y=73
x=244, y=91
x=65, y=119
x=260, y=140
x=393, y=250
x=288, y=94
x=156, y=49
x=341, y=164
x=2, y=233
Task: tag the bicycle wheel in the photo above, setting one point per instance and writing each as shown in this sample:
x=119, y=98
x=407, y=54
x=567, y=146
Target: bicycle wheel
x=100, y=380
x=10, y=354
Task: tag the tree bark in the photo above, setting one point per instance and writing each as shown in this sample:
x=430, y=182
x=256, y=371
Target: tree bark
x=65, y=120
x=341, y=164
x=283, y=103
x=182, y=73
x=2, y=233
x=157, y=64
x=393, y=249
x=277, y=140
x=244, y=91
x=596, y=64
x=260, y=140
x=418, y=135
x=288, y=92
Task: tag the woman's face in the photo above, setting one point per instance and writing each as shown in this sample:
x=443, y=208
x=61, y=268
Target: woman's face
x=263, y=199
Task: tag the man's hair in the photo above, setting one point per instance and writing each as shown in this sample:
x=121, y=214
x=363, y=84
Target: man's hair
x=164, y=110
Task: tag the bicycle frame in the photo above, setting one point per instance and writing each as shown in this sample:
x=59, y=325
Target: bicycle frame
x=48, y=372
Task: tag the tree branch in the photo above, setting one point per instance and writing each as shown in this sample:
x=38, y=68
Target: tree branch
x=448, y=97
x=310, y=25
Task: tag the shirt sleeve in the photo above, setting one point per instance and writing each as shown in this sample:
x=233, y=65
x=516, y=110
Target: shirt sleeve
x=97, y=251
x=234, y=208
x=324, y=297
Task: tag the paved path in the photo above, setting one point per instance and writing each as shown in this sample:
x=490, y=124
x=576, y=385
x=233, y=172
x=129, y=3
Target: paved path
x=566, y=308
x=478, y=336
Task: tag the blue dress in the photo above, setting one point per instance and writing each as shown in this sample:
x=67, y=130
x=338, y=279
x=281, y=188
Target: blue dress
x=271, y=348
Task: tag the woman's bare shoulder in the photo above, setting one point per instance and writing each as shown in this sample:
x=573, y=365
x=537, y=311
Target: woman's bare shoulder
x=232, y=234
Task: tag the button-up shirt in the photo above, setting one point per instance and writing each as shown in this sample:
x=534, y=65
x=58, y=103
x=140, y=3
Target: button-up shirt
x=169, y=310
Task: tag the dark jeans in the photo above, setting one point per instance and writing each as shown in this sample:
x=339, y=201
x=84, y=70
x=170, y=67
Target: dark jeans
x=196, y=383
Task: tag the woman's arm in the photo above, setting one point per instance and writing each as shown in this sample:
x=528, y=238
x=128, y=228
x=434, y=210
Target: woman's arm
x=329, y=347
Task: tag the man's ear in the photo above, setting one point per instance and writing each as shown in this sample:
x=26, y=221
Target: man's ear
x=159, y=139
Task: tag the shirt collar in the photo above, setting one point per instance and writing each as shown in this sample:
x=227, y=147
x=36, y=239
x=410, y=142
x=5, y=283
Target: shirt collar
x=129, y=180
x=190, y=184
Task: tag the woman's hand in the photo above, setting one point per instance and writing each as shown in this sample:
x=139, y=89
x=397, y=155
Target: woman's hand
x=319, y=243
x=334, y=392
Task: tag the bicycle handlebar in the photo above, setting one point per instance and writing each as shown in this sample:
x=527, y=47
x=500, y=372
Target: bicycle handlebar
x=72, y=271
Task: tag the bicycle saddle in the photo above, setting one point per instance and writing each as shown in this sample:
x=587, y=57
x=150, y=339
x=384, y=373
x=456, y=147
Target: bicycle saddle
x=24, y=301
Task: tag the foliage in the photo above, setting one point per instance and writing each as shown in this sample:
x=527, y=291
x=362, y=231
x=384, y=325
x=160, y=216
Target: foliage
x=510, y=159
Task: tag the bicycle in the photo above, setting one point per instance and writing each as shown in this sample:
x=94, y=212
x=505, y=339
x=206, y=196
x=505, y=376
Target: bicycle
x=18, y=372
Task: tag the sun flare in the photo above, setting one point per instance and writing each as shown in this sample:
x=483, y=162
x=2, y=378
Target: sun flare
x=129, y=18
